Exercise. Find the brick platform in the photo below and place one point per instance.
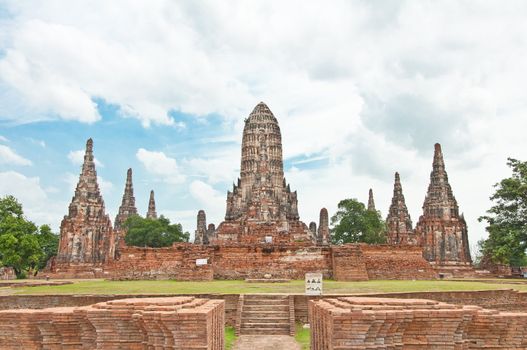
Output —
(382, 323)
(142, 323)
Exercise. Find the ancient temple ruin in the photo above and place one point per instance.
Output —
(261, 206)
(86, 234)
(398, 222)
(151, 213)
(371, 201)
(442, 230)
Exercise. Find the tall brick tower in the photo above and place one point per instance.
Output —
(443, 232)
(262, 204)
(86, 234)
(126, 209)
(398, 221)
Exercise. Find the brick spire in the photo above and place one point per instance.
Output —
(371, 202)
(127, 207)
(200, 236)
(86, 234)
(398, 221)
(151, 213)
(442, 231)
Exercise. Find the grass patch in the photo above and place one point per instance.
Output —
(241, 287)
(303, 336)
(230, 337)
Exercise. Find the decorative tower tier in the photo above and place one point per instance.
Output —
(86, 234)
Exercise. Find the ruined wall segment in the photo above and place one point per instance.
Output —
(443, 232)
(261, 203)
(86, 234)
(398, 221)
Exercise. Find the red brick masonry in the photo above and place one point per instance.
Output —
(138, 323)
(382, 323)
(350, 262)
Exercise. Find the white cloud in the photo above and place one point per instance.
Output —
(210, 200)
(8, 156)
(36, 204)
(160, 165)
(4, 139)
(77, 158)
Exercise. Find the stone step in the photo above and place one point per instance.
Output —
(264, 314)
(263, 325)
(268, 331)
(265, 302)
(277, 308)
(265, 296)
(266, 320)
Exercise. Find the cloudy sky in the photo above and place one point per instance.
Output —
(361, 89)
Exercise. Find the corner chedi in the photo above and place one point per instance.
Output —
(443, 232)
(398, 221)
(151, 213)
(261, 206)
(126, 210)
(371, 202)
(86, 235)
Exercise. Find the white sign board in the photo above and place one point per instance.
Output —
(200, 262)
(268, 239)
(313, 284)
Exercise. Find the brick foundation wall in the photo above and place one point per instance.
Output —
(280, 261)
(349, 262)
(377, 323)
(387, 262)
(138, 323)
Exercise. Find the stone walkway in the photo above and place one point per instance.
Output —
(266, 342)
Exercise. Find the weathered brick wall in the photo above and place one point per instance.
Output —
(13, 302)
(348, 263)
(145, 323)
(377, 323)
(7, 273)
(280, 261)
(175, 262)
(503, 299)
(386, 262)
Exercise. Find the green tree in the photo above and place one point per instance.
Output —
(353, 223)
(49, 244)
(143, 232)
(507, 219)
(19, 246)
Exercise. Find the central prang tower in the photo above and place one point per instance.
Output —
(261, 206)
(262, 193)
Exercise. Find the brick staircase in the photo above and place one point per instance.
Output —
(261, 314)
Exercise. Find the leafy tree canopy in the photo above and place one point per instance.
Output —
(507, 219)
(23, 246)
(143, 232)
(353, 223)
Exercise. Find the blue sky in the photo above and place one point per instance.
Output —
(360, 89)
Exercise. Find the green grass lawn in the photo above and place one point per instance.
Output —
(230, 337)
(303, 336)
(237, 287)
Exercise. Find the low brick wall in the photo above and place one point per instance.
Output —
(504, 300)
(383, 323)
(387, 262)
(350, 262)
(139, 323)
